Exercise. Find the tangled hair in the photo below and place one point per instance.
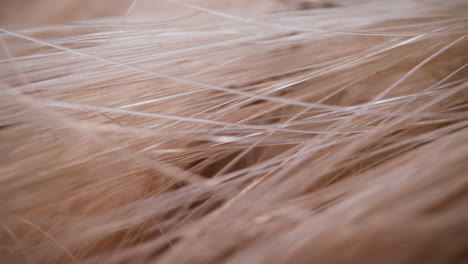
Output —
(234, 132)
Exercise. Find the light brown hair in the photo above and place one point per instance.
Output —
(256, 132)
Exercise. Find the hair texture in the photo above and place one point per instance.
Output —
(234, 132)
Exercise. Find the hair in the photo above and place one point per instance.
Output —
(256, 132)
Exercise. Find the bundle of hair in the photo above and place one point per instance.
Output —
(266, 132)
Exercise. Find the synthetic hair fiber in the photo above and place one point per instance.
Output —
(205, 132)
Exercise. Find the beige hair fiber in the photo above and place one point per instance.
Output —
(198, 132)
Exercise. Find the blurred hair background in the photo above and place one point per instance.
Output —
(233, 131)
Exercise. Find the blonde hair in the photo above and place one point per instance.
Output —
(266, 132)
